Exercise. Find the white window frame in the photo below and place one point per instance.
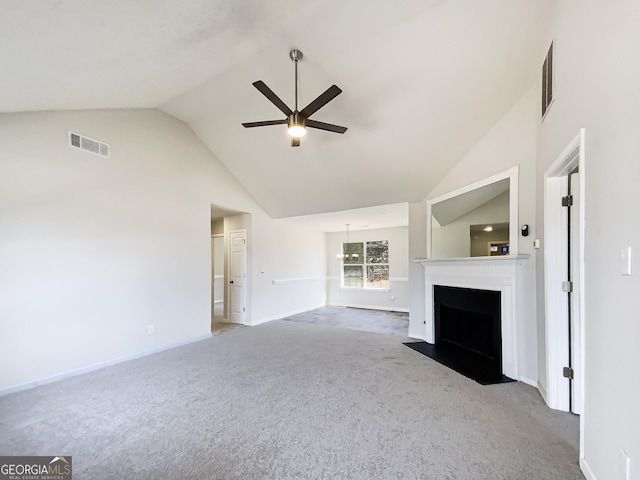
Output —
(364, 266)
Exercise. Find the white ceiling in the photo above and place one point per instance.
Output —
(422, 81)
(367, 218)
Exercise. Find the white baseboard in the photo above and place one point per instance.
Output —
(586, 470)
(371, 307)
(283, 315)
(419, 336)
(543, 393)
(530, 382)
(96, 366)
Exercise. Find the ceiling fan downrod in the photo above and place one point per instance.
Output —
(296, 56)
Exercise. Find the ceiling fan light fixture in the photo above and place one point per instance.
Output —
(297, 131)
(296, 125)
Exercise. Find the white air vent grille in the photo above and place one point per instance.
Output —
(88, 144)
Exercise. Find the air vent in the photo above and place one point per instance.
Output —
(88, 144)
(547, 82)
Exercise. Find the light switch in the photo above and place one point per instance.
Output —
(625, 261)
(536, 243)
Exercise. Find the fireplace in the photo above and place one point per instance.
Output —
(513, 277)
(468, 328)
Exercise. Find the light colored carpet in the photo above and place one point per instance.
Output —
(381, 321)
(289, 400)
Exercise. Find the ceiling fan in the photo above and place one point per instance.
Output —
(297, 121)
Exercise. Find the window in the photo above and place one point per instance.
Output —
(365, 264)
(547, 81)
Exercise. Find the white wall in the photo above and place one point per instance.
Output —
(289, 268)
(93, 250)
(397, 297)
(597, 79)
(511, 142)
(417, 249)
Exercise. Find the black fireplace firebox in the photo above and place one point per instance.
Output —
(468, 328)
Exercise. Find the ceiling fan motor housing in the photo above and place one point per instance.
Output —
(295, 119)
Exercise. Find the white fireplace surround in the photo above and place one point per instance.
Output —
(500, 273)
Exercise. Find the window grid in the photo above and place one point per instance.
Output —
(365, 265)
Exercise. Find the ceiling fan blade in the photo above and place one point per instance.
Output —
(295, 141)
(267, 92)
(326, 126)
(330, 93)
(264, 123)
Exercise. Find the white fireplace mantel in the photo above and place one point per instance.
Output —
(500, 273)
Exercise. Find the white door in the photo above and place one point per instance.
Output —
(237, 276)
(564, 273)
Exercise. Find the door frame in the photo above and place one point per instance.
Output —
(555, 272)
(214, 237)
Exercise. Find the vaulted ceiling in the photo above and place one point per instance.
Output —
(422, 81)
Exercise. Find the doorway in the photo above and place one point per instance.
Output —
(564, 277)
(229, 265)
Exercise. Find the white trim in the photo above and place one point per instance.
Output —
(514, 228)
(399, 279)
(97, 366)
(530, 382)
(391, 279)
(456, 261)
(284, 281)
(368, 289)
(586, 470)
(284, 315)
(371, 307)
